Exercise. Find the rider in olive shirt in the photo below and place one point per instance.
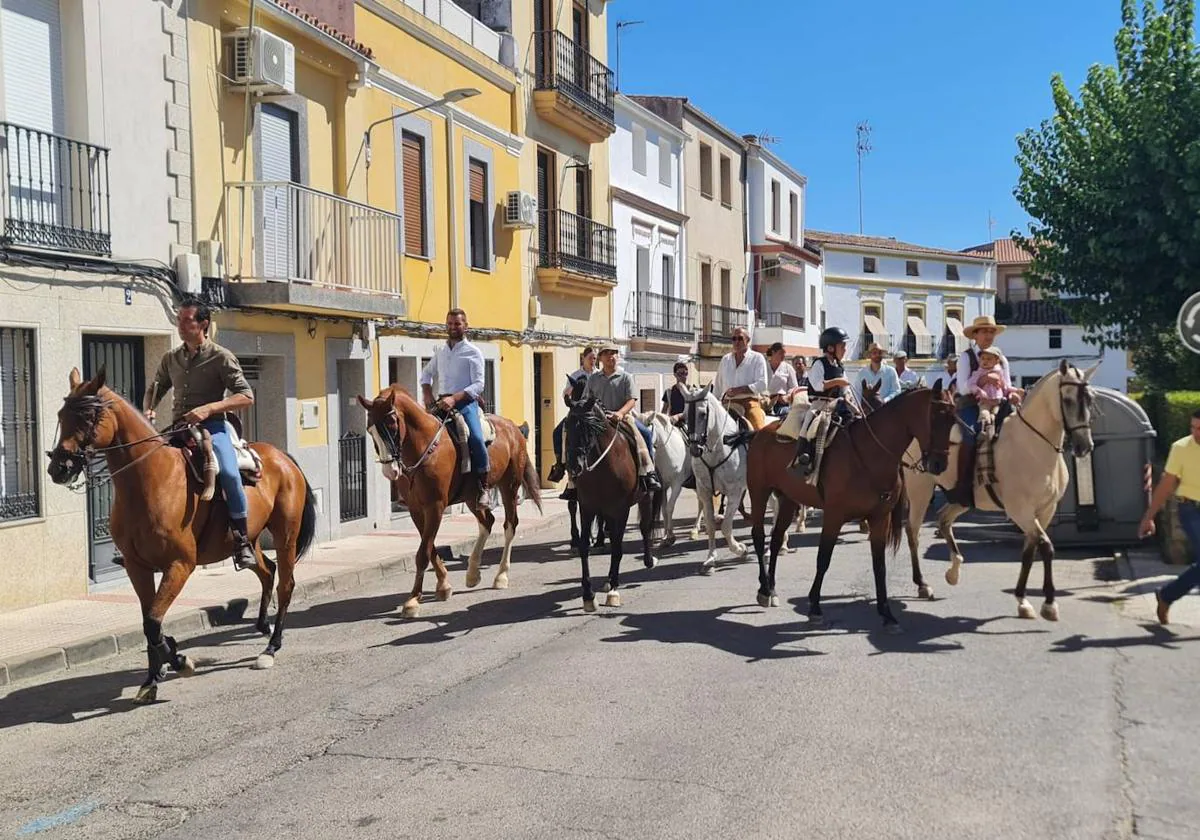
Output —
(613, 390)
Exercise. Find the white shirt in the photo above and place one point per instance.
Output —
(782, 380)
(909, 377)
(752, 372)
(457, 368)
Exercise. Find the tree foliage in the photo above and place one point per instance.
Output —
(1112, 182)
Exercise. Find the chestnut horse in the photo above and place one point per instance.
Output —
(159, 523)
(860, 479)
(604, 464)
(414, 444)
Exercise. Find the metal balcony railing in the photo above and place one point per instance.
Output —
(783, 319)
(718, 322)
(293, 234)
(659, 316)
(576, 243)
(565, 66)
(56, 192)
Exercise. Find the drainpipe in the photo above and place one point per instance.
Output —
(450, 197)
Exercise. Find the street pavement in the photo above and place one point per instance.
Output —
(687, 712)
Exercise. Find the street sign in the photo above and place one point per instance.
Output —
(1189, 323)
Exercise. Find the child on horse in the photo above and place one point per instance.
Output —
(991, 386)
(828, 388)
(613, 390)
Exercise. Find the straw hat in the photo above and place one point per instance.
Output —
(609, 348)
(983, 322)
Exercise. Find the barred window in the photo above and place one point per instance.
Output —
(19, 463)
(489, 386)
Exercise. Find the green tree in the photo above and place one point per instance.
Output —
(1112, 182)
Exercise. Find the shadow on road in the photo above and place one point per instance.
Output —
(715, 629)
(1156, 636)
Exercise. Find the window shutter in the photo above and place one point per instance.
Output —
(478, 180)
(33, 64)
(414, 195)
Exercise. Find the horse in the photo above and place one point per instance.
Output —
(860, 479)
(603, 462)
(673, 463)
(159, 523)
(1031, 478)
(408, 442)
(870, 397)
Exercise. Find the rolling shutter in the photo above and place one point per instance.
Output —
(33, 68)
(414, 193)
(478, 180)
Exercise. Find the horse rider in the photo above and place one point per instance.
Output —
(908, 377)
(673, 404)
(201, 371)
(458, 367)
(781, 384)
(982, 331)
(613, 389)
(876, 372)
(578, 379)
(827, 389)
(742, 380)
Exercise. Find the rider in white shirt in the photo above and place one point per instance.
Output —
(742, 378)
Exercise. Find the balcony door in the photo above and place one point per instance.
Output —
(279, 165)
(547, 204)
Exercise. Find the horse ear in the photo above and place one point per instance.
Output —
(74, 379)
(937, 388)
(364, 402)
(1064, 367)
(1090, 372)
(97, 381)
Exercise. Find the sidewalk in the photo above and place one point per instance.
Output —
(1146, 572)
(66, 634)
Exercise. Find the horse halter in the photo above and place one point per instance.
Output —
(594, 424)
(88, 408)
(1084, 398)
(391, 442)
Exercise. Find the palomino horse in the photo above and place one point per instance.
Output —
(860, 479)
(1031, 477)
(674, 466)
(414, 443)
(604, 464)
(159, 523)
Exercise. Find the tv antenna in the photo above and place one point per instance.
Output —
(991, 226)
(862, 147)
(621, 24)
(765, 139)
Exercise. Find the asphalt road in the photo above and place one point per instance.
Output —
(687, 712)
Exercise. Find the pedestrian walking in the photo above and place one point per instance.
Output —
(1181, 478)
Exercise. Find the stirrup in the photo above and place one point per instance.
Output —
(243, 553)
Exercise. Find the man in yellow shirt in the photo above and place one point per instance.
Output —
(1182, 478)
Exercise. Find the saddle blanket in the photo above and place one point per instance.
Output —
(462, 435)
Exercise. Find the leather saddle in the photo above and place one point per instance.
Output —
(460, 434)
(196, 443)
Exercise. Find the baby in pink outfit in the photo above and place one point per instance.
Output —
(990, 385)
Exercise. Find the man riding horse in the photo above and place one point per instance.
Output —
(200, 371)
(827, 392)
(613, 390)
(742, 379)
(458, 366)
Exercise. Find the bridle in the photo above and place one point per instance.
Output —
(1084, 399)
(699, 446)
(923, 464)
(89, 408)
(595, 423)
(392, 442)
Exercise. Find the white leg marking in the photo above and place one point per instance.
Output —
(476, 553)
(501, 581)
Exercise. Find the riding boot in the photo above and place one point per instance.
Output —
(484, 490)
(651, 482)
(557, 472)
(569, 494)
(964, 484)
(243, 551)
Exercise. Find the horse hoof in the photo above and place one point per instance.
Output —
(764, 600)
(146, 694)
(473, 578)
(893, 629)
(741, 551)
(1050, 611)
(410, 610)
(1025, 609)
(650, 562)
(695, 535)
(187, 668)
(264, 662)
(667, 542)
(444, 594)
(925, 591)
(607, 587)
(707, 567)
(613, 599)
(952, 575)
(589, 606)
(774, 601)
(501, 582)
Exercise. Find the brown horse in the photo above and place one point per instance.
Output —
(604, 464)
(860, 479)
(159, 523)
(413, 444)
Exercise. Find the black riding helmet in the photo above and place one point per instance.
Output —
(831, 336)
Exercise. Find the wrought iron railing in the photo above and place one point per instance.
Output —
(658, 316)
(576, 243)
(718, 322)
(56, 192)
(289, 233)
(783, 319)
(565, 66)
(352, 476)
(20, 464)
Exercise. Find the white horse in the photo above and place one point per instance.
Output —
(673, 463)
(1031, 478)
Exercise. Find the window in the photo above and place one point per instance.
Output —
(812, 304)
(1056, 338)
(951, 271)
(726, 181)
(668, 275)
(794, 216)
(664, 161)
(1029, 381)
(642, 268)
(1016, 289)
(775, 206)
(868, 265)
(477, 220)
(489, 386)
(726, 288)
(952, 343)
(706, 186)
(911, 268)
(917, 339)
(20, 465)
(639, 150)
(414, 196)
(873, 328)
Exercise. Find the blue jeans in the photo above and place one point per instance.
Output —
(1189, 518)
(970, 416)
(227, 471)
(641, 427)
(558, 440)
(469, 409)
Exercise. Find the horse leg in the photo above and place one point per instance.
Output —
(801, 522)
(510, 531)
(758, 514)
(572, 509)
(285, 561)
(733, 545)
(946, 517)
(585, 522)
(1024, 608)
(266, 576)
(427, 525)
(785, 512)
(912, 529)
(668, 514)
(646, 526)
(485, 519)
(162, 650)
(706, 502)
(1046, 549)
(879, 534)
(617, 535)
(830, 528)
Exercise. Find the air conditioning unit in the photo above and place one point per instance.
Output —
(211, 261)
(260, 61)
(520, 210)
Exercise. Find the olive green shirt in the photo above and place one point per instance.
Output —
(612, 392)
(198, 379)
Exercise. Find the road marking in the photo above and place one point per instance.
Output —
(62, 818)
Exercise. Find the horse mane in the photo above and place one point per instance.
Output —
(105, 397)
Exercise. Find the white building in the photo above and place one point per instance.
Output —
(785, 293)
(903, 296)
(653, 317)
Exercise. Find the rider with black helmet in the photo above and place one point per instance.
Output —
(826, 382)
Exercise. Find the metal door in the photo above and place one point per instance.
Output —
(123, 358)
(279, 164)
(352, 476)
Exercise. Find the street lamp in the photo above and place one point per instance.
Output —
(456, 95)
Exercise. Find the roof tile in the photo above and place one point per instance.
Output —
(358, 46)
(882, 243)
(1003, 251)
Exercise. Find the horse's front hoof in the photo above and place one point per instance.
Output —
(649, 561)
(707, 567)
(925, 591)
(694, 536)
(893, 629)
(146, 694)
(952, 572)
(764, 600)
(264, 662)
(589, 606)
(774, 600)
(411, 609)
(501, 581)
(667, 541)
(1025, 609)
(186, 667)
(444, 594)
(613, 599)
(1050, 611)
(473, 578)
(740, 551)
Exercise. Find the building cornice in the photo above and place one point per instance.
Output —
(777, 162)
(646, 205)
(642, 114)
(945, 257)
(883, 285)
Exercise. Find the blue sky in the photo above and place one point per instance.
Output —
(946, 85)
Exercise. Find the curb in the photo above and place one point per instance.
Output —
(196, 620)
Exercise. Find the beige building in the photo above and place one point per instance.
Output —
(714, 164)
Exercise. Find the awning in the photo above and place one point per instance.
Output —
(956, 329)
(878, 333)
(924, 339)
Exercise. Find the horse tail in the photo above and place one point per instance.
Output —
(308, 518)
(896, 522)
(530, 483)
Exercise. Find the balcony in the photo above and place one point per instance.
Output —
(56, 192)
(655, 319)
(717, 325)
(300, 249)
(576, 255)
(572, 90)
(784, 327)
